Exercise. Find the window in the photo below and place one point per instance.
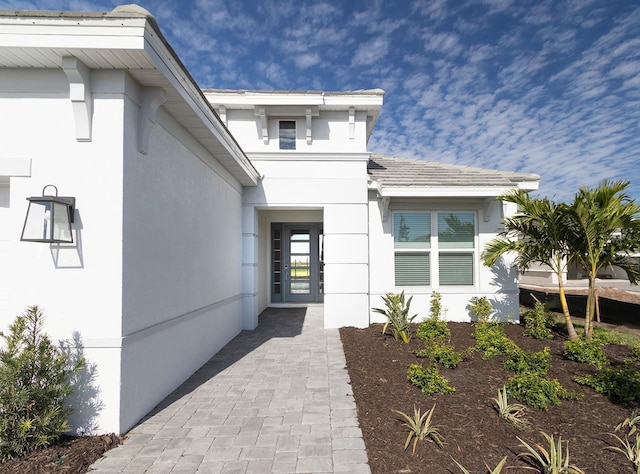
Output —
(442, 240)
(287, 134)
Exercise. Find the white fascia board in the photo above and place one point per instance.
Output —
(11, 167)
(279, 156)
(359, 101)
(189, 92)
(77, 34)
(453, 191)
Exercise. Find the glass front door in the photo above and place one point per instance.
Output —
(297, 263)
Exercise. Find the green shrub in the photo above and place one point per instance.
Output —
(397, 313)
(523, 362)
(34, 383)
(440, 353)
(620, 383)
(436, 311)
(429, 380)
(537, 321)
(635, 353)
(586, 352)
(433, 329)
(491, 339)
(480, 308)
(536, 391)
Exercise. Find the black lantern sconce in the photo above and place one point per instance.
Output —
(49, 218)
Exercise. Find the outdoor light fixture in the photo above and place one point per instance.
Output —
(49, 218)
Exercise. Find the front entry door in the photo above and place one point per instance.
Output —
(300, 263)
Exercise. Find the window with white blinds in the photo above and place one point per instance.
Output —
(444, 241)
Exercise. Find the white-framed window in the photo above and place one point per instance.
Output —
(434, 248)
(287, 134)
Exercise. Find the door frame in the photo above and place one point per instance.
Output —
(280, 280)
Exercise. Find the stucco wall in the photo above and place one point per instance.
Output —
(182, 280)
(329, 132)
(339, 188)
(498, 283)
(77, 285)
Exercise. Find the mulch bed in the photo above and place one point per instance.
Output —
(69, 455)
(472, 431)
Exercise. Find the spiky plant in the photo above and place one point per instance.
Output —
(420, 427)
(495, 470)
(397, 313)
(632, 423)
(552, 460)
(512, 412)
(630, 450)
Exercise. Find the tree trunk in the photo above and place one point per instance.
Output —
(571, 331)
(591, 300)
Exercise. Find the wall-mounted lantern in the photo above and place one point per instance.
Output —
(49, 218)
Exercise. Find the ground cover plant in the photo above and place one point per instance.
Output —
(475, 438)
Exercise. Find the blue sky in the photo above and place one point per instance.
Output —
(548, 87)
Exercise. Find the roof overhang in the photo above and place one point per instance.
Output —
(127, 38)
(449, 191)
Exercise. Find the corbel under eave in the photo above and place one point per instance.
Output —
(385, 208)
(79, 76)
(308, 115)
(152, 99)
(261, 113)
(352, 123)
(488, 205)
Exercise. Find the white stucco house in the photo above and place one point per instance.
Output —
(197, 209)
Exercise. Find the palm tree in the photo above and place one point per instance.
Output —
(595, 215)
(537, 232)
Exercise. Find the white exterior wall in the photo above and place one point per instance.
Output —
(334, 189)
(78, 286)
(497, 283)
(182, 274)
(152, 286)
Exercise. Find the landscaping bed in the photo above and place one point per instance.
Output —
(472, 432)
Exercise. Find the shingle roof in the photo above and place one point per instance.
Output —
(402, 172)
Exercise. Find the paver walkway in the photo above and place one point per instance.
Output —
(276, 399)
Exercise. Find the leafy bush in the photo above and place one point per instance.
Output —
(34, 383)
(433, 329)
(536, 391)
(397, 313)
(440, 353)
(635, 353)
(620, 383)
(428, 380)
(480, 308)
(523, 362)
(491, 339)
(586, 352)
(537, 321)
(436, 311)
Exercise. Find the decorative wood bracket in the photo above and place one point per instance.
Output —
(79, 77)
(385, 208)
(222, 113)
(488, 206)
(263, 124)
(309, 138)
(352, 123)
(152, 99)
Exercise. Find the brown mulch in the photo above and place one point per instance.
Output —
(69, 455)
(472, 431)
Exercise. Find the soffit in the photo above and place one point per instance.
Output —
(132, 43)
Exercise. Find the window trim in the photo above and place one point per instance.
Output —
(433, 248)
